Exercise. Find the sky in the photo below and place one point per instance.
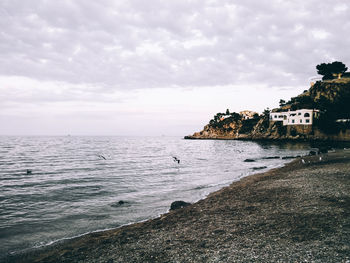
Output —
(157, 67)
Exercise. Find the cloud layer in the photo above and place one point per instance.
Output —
(157, 66)
(135, 44)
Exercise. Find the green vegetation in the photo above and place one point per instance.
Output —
(331, 70)
(220, 118)
(333, 101)
(248, 125)
(266, 112)
(281, 129)
(331, 98)
(282, 103)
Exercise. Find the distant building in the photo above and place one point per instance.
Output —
(298, 117)
(277, 116)
(313, 80)
(224, 117)
(343, 120)
(248, 114)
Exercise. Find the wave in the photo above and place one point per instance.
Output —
(70, 184)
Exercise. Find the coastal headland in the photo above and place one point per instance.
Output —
(297, 213)
(320, 113)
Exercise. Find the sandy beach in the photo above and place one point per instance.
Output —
(297, 213)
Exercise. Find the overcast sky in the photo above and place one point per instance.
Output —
(154, 67)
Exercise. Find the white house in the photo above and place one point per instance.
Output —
(298, 117)
(248, 114)
(224, 117)
(277, 116)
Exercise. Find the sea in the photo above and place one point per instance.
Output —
(56, 188)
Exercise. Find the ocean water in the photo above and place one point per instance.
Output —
(76, 183)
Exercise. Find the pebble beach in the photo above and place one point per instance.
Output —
(297, 213)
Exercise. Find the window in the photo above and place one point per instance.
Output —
(275, 116)
(301, 121)
(307, 121)
(299, 113)
(293, 121)
(307, 114)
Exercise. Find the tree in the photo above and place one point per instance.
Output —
(322, 69)
(338, 68)
(266, 112)
(236, 116)
(282, 102)
(227, 112)
(305, 101)
(328, 70)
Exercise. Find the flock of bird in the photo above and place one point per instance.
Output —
(177, 160)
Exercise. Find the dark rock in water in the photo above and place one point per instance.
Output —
(259, 168)
(324, 150)
(249, 160)
(271, 157)
(288, 157)
(189, 137)
(314, 151)
(29, 171)
(178, 204)
(119, 203)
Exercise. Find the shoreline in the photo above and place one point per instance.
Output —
(318, 140)
(222, 222)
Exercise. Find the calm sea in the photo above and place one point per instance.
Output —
(76, 183)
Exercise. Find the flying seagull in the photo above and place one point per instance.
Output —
(102, 157)
(176, 160)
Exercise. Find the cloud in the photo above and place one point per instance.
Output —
(152, 44)
(80, 66)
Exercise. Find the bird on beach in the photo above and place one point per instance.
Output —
(303, 161)
(176, 160)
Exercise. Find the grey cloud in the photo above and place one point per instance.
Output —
(145, 44)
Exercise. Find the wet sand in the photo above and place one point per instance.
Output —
(297, 213)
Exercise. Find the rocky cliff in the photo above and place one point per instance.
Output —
(332, 98)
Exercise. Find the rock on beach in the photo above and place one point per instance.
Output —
(178, 204)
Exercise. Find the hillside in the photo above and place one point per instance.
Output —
(331, 97)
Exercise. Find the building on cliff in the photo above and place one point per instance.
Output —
(297, 117)
(314, 79)
(224, 117)
(248, 114)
